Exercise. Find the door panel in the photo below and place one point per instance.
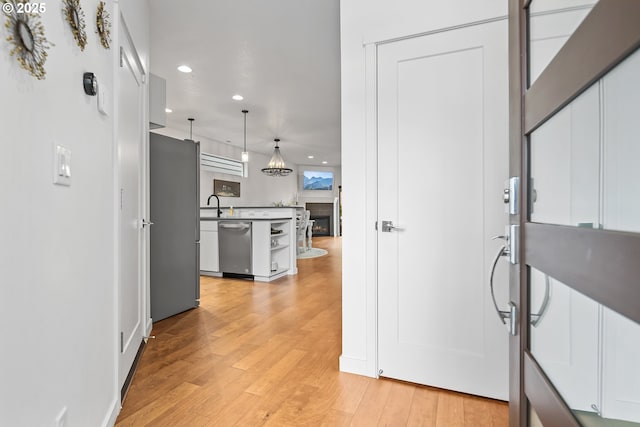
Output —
(566, 154)
(129, 158)
(621, 346)
(575, 142)
(442, 161)
(565, 164)
(551, 6)
(621, 103)
(565, 340)
(551, 24)
(621, 368)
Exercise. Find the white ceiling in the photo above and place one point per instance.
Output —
(283, 56)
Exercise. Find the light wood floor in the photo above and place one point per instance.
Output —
(266, 354)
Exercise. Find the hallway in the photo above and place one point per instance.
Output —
(266, 354)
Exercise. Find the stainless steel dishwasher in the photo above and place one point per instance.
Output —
(234, 240)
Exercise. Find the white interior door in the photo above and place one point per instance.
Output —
(129, 158)
(443, 161)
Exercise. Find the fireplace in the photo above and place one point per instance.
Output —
(322, 225)
(322, 214)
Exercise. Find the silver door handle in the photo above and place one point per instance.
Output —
(536, 318)
(388, 227)
(240, 226)
(502, 314)
(145, 222)
(512, 313)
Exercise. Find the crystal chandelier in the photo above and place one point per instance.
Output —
(276, 166)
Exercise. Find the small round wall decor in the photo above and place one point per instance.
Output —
(26, 36)
(103, 26)
(74, 15)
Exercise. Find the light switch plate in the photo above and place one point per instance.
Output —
(61, 165)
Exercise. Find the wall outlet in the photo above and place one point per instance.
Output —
(61, 419)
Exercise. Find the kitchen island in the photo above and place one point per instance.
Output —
(272, 249)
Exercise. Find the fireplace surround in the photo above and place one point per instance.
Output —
(322, 214)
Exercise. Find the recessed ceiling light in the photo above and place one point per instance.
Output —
(168, 110)
(309, 157)
(185, 69)
(324, 162)
(238, 97)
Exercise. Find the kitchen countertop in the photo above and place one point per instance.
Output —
(243, 219)
(253, 207)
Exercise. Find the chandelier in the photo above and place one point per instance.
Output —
(276, 166)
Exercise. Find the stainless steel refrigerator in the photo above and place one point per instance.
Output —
(174, 169)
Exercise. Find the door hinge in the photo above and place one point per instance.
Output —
(121, 342)
(121, 198)
(376, 225)
(121, 57)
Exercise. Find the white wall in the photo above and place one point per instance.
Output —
(257, 189)
(57, 296)
(364, 23)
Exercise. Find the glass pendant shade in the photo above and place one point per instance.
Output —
(276, 166)
(245, 153)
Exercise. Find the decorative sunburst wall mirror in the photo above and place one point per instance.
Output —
(74, 15)
(26, 36)
(103, 26)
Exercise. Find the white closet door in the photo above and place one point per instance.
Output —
(443, 160)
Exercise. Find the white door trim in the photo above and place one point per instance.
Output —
(144, 193)
(367, 363)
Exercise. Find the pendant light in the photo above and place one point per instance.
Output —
(245, 153)
(191, 119)
(276, 166)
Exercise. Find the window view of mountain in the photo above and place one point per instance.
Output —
(318, 181)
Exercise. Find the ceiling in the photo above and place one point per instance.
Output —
(282, 56)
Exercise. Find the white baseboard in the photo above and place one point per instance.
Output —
(112, 413)
(356, 366)
(148, 327)
(210, 273)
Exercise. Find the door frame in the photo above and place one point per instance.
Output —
(585, 251)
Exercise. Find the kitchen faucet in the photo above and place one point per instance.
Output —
(218, 199)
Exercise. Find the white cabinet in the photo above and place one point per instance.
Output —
(271, 249)
(209, 256)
